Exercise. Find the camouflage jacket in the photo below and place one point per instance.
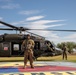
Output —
(28, 44)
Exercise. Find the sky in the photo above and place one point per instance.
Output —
(41, 14)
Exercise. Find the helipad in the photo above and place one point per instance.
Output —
(41, 68)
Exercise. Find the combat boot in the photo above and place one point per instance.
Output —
(32, 66)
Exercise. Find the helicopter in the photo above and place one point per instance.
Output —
(11, 44)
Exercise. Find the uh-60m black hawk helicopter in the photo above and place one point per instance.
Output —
(10, 44)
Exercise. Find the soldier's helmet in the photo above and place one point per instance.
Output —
(28, 34)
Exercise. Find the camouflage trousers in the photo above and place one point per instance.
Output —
(28, 55)
(64, 55)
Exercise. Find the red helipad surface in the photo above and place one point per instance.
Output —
(46, 68)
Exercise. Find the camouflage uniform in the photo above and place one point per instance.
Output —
(64, 52)
(28, 51)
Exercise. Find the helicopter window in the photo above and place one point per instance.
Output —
(37, 45)
(16, 47)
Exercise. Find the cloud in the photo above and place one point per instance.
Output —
(72, 36)
(56, 25)
(1, 18)
(10, 6)
(34, 18)
(29, 12)
(68, 38)
(42, 26)
(42, 22)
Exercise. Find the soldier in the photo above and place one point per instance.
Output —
(28, 45)
(64, 51)
(49, 47)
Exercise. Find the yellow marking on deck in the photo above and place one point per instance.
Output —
(42, 73)
(18, 64)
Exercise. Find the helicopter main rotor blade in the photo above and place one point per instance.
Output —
(54, 30)
(14, 27)
(6, 29)
(9, 25)
(24, 29)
